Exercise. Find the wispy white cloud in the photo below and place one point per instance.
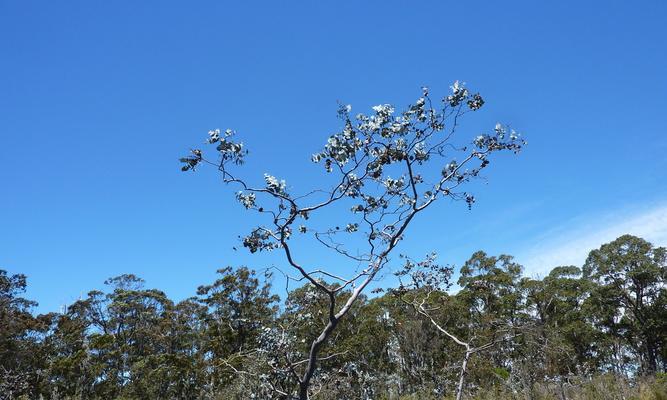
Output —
(570, 244)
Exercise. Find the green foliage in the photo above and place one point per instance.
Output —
(629, 297)
(580, 334)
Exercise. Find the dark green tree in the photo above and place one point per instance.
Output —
(237, 307)
(629, 297)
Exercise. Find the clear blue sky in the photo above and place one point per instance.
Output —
(99, 99)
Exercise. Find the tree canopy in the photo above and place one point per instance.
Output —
(525, 336)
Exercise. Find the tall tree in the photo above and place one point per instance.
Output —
(237, 307)
(564, 341)
(630, 274)
(21, 339)
(386, 169)
(489, 301)
(70, 371)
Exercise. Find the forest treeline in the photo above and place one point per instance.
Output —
(598, 331)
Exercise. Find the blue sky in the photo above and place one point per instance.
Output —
(99, 99)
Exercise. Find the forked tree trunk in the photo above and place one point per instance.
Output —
(334, 319)
(304, 384)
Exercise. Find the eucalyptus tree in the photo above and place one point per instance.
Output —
(384, 168)
(568, 341)
(117, 342)
(186, 360)
(630, 274)
(563, 342)
(70, 373)
(20, 338)
(488, 299)
(237, 306)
